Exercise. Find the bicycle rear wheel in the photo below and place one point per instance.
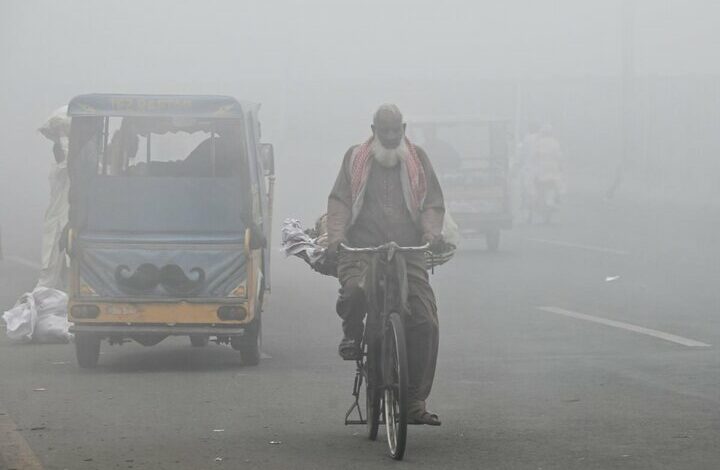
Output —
(395, 378)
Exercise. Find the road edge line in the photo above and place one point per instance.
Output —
(691, 343)
(578, 246)
(15, 452)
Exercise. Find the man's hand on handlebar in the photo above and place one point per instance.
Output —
(436, 242)
(332, 250)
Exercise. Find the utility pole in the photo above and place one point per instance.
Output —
(627, 92)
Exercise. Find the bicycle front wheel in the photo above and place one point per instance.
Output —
(395, 378)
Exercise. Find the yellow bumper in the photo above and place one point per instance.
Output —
(138, 313)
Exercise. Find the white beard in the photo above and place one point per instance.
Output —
(389, 157)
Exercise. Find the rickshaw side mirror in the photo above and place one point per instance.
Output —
(267, 157)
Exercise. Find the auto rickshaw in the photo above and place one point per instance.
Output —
(161, 241)
(471, 158)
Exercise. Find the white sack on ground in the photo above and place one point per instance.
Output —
(21, 319)
(39, 316)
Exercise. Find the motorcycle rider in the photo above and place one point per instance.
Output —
(546, 172)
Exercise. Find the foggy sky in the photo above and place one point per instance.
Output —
(269, 51)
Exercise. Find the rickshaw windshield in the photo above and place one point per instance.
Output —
(150, 175)
(458, 147)
(163, 146)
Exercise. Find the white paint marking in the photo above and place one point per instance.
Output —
(23, 262)
(691, 343)
(14, 449)
(599, 249)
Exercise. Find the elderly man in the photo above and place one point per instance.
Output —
(387, 191)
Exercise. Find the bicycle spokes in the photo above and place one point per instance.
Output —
(395, 376)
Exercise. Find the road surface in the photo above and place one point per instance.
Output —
(592, 343)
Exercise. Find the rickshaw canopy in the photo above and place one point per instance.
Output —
(191, 106)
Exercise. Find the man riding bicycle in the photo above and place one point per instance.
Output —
(387, 191)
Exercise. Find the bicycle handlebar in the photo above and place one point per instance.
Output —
(386, 247)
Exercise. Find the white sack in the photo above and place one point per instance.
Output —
(21, 319)
(39, 316)
(450, 230)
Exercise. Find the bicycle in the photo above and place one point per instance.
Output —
(382, 365)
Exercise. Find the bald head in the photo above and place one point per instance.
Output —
(388, 125)
(387, 113)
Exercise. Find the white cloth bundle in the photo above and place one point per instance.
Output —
(39, 316)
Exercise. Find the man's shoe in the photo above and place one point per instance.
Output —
(349, 349)
(418, 414)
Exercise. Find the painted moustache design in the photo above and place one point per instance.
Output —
(175, 281)
(147, 277)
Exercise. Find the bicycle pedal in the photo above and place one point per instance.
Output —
(350, 355)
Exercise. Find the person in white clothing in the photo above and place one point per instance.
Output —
(53, 271)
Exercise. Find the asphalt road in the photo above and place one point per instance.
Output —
(542, 365)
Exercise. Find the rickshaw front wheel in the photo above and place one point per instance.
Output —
(87, 350)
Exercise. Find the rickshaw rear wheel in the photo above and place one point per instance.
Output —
(199, 341)
(249, 344)
(87, 350)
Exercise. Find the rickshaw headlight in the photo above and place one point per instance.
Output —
(231, 312)
(85, 311)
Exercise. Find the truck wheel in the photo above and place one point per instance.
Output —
(248, 345)
(199, 341)
(492, 239)
(87, 350)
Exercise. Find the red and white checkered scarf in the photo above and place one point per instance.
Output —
(360, 169)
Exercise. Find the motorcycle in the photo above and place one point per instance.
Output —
(546, 200)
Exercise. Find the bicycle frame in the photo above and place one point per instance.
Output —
(383, 300)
